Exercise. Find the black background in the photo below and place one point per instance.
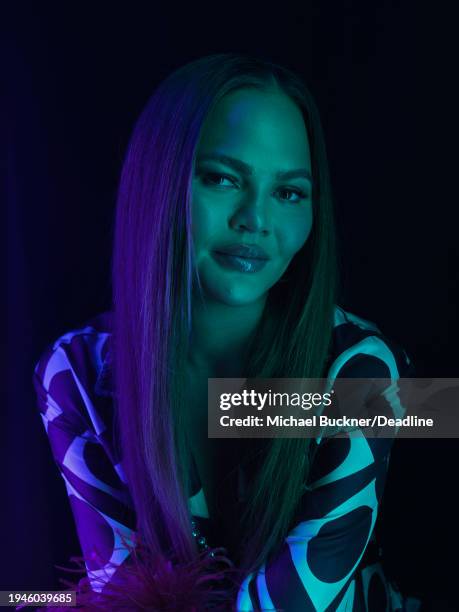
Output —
(382, 74)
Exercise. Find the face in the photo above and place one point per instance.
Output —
(243, 197)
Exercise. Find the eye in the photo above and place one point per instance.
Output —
(300, 195)
(214, 178)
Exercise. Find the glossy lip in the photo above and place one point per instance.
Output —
(248, 251)
(241, 264)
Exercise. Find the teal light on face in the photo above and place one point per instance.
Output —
(252, 186)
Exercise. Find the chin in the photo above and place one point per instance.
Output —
(236, 298)
(232, 294)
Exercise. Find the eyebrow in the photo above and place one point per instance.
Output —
(247, 170)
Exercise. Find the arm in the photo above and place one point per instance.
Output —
(336, 518)
(316, 565)
(99, 504)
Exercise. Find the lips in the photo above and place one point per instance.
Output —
(249, 251)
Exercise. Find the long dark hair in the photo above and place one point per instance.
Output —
(152, 275)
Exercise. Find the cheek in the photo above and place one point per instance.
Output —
(205, 222)
(293, 235)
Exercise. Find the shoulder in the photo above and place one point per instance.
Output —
(82, 347)
(361, 349)
(70, 370)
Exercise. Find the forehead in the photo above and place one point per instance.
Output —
(263, 125)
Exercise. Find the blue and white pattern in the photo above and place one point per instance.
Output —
(329, 559)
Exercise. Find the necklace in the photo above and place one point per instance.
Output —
(200, 539)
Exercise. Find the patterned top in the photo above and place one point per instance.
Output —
(329, 559)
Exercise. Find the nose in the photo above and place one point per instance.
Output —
(252, 215)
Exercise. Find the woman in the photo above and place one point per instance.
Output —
(224, 265)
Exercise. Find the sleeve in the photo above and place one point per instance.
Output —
(316, 565)
(98, 501)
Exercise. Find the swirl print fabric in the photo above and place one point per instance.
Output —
(330, 559)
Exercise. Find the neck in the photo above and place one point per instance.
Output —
(221, 336)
